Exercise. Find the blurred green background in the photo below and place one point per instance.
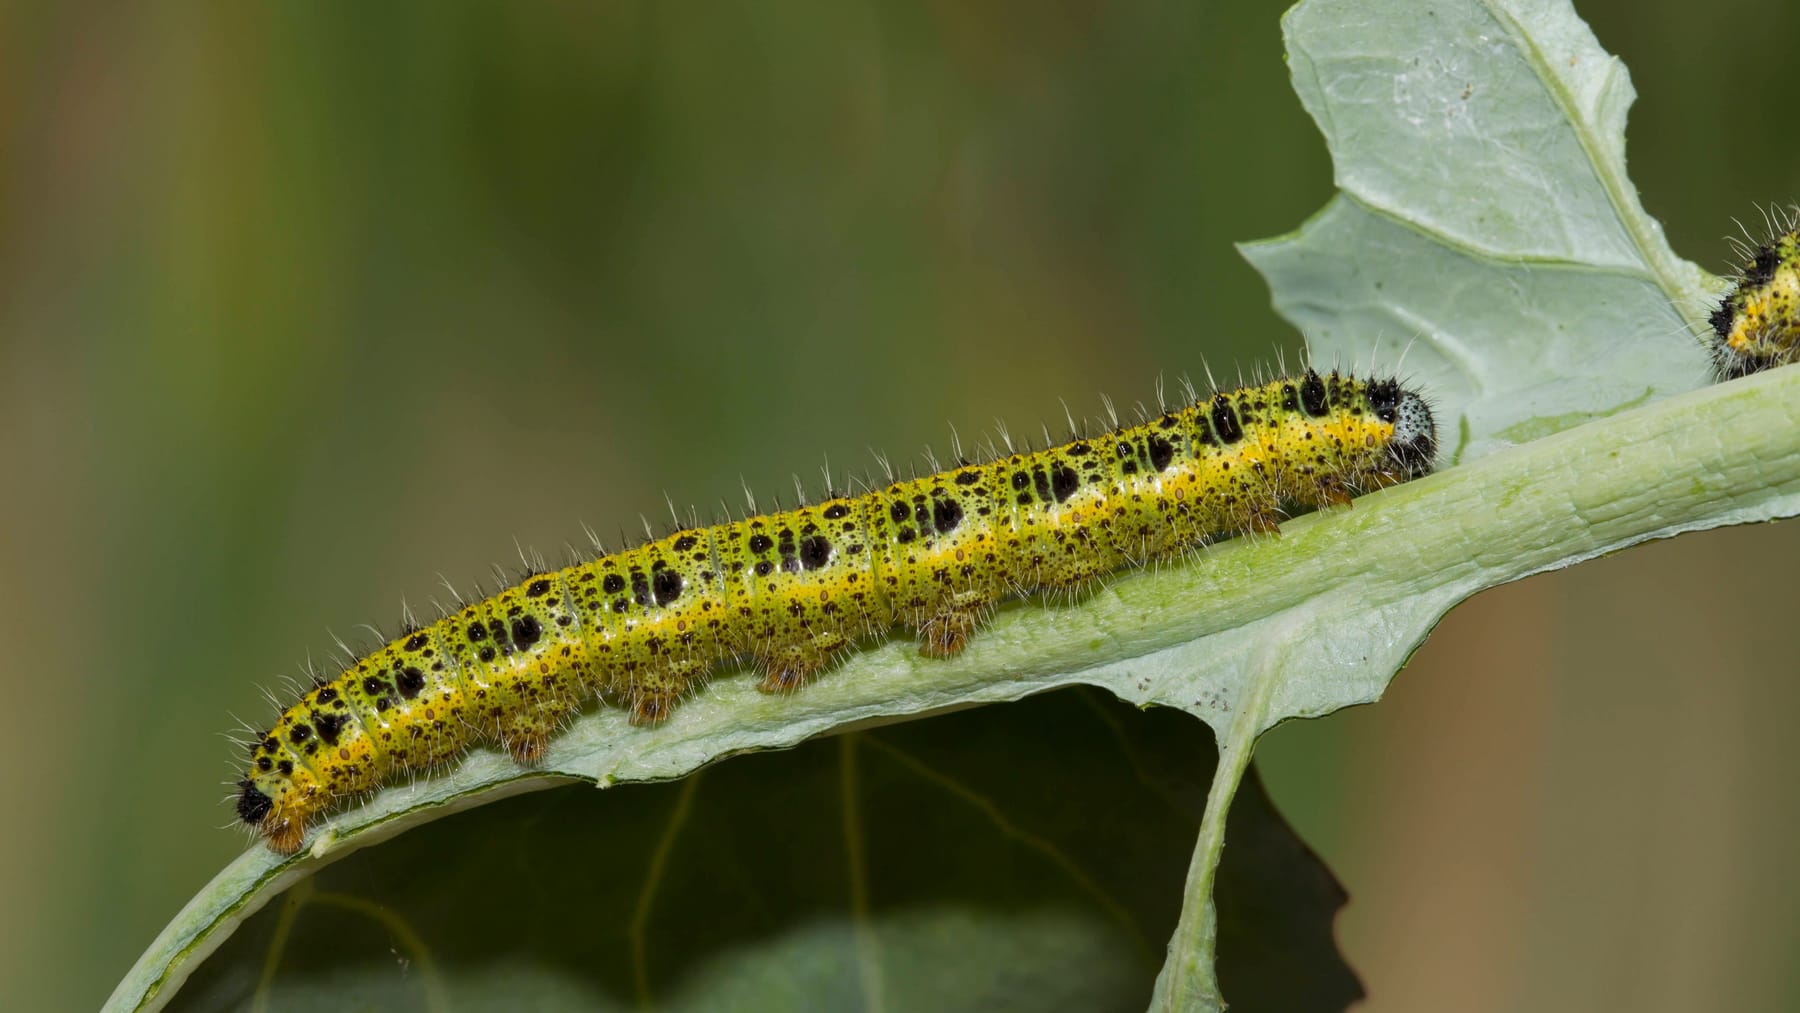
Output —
(302, 305)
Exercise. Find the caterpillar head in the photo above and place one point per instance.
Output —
(1413, 448)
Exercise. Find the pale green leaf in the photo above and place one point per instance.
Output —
(1485, 222)
(1007, 858)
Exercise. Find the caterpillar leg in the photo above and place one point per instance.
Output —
(947, 633)
(789, 667)
(284, 826)
(285, 835)
(653, 707)
(1331, 493)
(527, 747)
(788, 674)
(527, 732)
(653, 694)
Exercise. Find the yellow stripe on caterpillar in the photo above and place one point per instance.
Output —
(790, 591)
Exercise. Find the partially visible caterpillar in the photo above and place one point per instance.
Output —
(1757, 324)
(790, 591)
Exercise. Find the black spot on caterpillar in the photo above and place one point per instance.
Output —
(785, 592)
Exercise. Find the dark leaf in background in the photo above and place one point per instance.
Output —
(1028, 856)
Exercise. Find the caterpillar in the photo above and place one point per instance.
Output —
(791, 591)
(1757, 324)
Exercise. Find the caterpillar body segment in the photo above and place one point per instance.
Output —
(792, 591)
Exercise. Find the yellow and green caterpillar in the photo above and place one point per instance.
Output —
(1757, 325)
(790, 591)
